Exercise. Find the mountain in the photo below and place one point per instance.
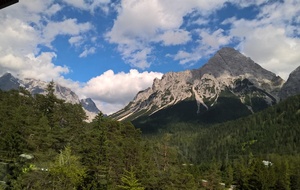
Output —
(89, 105)
(228, 86)
(292, 85)
(9, 82)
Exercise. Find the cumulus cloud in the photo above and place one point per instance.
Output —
(112, 91)
(31, 66)
(65, 27)
(176, 37)
(157, 22)
(53, 9)
(25, 27)
(214, 39)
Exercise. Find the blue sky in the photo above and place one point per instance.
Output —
(109, 50)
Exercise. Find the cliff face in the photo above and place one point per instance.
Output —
(227, 73)
(292, 85)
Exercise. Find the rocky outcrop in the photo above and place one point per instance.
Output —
(292, 85)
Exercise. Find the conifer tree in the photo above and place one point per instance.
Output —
(130, 182)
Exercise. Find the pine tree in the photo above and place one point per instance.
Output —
(67, 172)
(130, 182)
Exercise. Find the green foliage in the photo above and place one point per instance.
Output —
(130, 182)
(107, 154)
(66, 172)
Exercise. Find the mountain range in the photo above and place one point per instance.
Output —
(230, 85)
(9, 82)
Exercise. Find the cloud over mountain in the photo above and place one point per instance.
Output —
(113, 90)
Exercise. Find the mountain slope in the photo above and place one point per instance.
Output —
(274, 130)
(9, 82)
(292, 85)
(228, 86)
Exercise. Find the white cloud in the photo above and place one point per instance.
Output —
(77, 3)
(243, 3)
(200, 21)
(66, 27)
(76, 40)
(157, 21)
(185, 57)
(176, 37)
(215, 39)
(136, 57)
(17, 37)
(209, 42)
(112, 91)
(53, 9)
(27, 25)
(31, 66)
(87, 52)
(89, 5)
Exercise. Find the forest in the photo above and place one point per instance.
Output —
(46, 143)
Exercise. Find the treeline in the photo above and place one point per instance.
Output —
(275, 130)
(272, 135)
(46, 144)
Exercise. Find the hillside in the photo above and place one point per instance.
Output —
(274, 130)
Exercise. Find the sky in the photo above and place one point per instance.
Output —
(109, 50)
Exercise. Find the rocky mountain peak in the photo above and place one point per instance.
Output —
(229, 62)
(89, 105)
(292, 85)
(227, 72)
(8, 81)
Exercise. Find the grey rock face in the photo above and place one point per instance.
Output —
(221, 73)
(292, 85)
(38, 87)
(89, 105)
(229, 61)
(9, 82)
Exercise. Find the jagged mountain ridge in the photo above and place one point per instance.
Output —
(89, 105)
(9, 82)
(228, 74)
(292, 85)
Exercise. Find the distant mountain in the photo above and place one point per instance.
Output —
(9, 82)
(230, 85)
(292, 85)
